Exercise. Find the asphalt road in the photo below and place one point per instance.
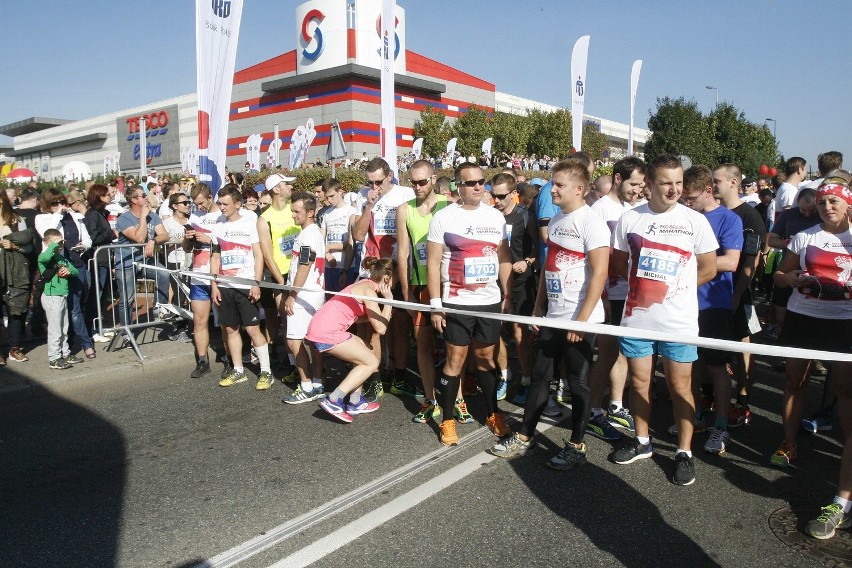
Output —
(169, 471)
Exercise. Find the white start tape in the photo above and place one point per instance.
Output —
(558, 323)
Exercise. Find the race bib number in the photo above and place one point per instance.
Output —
(334, 238)
(285, 244)
(385, 226)
(553, 284)
(233, 261)
(659, 265)
(420, 251)
(480, 269)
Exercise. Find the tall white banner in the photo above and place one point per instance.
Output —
(253, 143)
(451, 148)
(634, 86)
(143, 148)
(217, 32)
(388, 131)
(417, 148)
(579, 58)
(310, 134)
(486, 146)
(107, 165)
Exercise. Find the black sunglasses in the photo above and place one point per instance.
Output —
(182, 202)
(499, 197)
(473, 182)
(421, 182)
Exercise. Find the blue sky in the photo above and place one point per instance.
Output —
(787, 60)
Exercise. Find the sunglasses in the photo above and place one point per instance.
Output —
(182, 202)
(56, 203)
(499, 197)
(421, 182)
(377, 183)
(473, 182)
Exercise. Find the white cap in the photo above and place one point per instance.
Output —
(275, 179)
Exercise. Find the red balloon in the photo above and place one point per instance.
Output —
(773, 172)
(764, 169)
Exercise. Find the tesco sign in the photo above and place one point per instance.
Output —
(162, 137)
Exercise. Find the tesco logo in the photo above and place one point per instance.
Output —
(312, 16)
(156, 123)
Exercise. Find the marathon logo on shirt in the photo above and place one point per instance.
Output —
(566, 233)
(481, 231)
(669, 229)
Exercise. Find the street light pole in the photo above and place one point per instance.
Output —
(712, 88)
(774, 125)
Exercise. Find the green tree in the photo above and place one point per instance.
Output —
(511, 133)
(434, 130)
(678, 127)
(472, 128)
(550, 133)
(741, 142)
(594, 141)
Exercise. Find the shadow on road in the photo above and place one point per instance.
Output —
(62, 482)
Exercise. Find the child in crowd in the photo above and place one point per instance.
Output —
(55, 270)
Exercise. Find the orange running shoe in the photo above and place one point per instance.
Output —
(497, 425)
(448, 433)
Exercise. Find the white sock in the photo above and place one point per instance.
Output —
(687, 452)
(262, 353)
(307, 386)
(239, 369)
(317, 383)
(644, 439)
(615, 405)
(525, 381)
(504, 374)
(845, 503)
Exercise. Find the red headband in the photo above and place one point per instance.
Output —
(836, 189)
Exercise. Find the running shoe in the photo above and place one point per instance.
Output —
(17, 354)
(600, 427)
(621, 418)
(497, 425)
(502, 385)
(699, 423)
(60, 364)
(404, 387)
(363, 406)
(632, 451)
(819, 423)
(291, 378)
(784, 456)
(336, 409)
(232, 378)
(373, 391)
(831, 518)
(469, 386)
(201, 369)
(226, 369)
(429, 410)
(71, 360)
(299, 396)
(513, 446)
(553, 409)
(718, 441)
(460, 412)
(684, 473)
(521, 396)
(264, 381)
(448, 433)
(568, 457)
(738, 416)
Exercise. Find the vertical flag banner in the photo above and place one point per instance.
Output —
(634, 86)
(143, 147)
(310, 134)
(451, 148)
(579, 58)
(217, 31)
(486, 147)
(277, 139)
(107, 165)
(388, 131)
(417, 148)
(297, 145)
(253, 143)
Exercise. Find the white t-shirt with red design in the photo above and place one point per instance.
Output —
(235, 240)
(827, 258)
(469, 266)
(566, 269)
(663, 271)
(314, 286)
(202, 223)
(611, 212)
(381, 234)
(335, 223)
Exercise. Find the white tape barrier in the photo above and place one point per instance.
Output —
(565, 324)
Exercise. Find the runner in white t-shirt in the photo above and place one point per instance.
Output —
(468, 267)
(666, 251)
(572, 282)
(610, 368)
(307, 272)
(236, 253)
(338, 240)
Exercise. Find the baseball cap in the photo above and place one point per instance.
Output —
(275, 179)
(538, 181)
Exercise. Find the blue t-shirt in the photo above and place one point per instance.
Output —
(124, 255)
(545, 209)
(728, 228)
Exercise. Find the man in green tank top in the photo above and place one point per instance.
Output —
(412, 221)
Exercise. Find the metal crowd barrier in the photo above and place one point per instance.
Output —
(139, 297)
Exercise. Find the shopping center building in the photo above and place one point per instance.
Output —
(332, 75)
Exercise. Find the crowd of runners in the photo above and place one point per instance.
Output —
(651, 247)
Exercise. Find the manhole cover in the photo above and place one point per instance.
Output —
(837, 551)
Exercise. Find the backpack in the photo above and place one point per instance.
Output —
(45, 277)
